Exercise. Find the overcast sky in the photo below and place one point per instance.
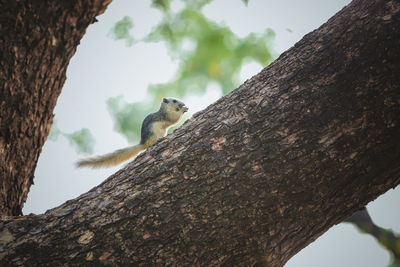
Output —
(104, 68)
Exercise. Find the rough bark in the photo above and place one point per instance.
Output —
(37, 40)
(256, 176)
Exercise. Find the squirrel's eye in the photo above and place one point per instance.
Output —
(174, 100)
(177, 109)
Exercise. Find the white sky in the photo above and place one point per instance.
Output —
(104, 68)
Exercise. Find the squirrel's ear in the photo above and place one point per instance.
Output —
(165, 100)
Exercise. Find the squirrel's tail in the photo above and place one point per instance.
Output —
(112, 159)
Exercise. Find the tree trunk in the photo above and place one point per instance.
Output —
(37, 40)
(256, 176)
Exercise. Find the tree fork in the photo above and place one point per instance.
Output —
(256, 176)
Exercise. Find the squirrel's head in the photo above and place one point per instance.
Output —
(173, 107)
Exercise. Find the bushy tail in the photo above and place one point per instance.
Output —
(112, 159)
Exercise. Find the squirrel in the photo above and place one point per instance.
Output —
(154, 126)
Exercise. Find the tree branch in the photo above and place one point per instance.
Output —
(256, 176)
(387, 238)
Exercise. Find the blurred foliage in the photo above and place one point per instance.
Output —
(121, 29)
(81, 140)
(246, 2)
(207, 53)
(215, 53)
(386, 238)
(128, 117)
(161, 4)
(394, 262)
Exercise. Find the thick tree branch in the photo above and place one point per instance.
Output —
(38, 38)
(256, 176)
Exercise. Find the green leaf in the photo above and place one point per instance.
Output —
(161, 4)
(246, 2)
(82, 140)
(121, 31)
(215, 56)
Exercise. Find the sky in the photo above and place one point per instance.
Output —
(104, 68)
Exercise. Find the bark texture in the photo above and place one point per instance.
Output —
(37, 40)
(256, 176)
